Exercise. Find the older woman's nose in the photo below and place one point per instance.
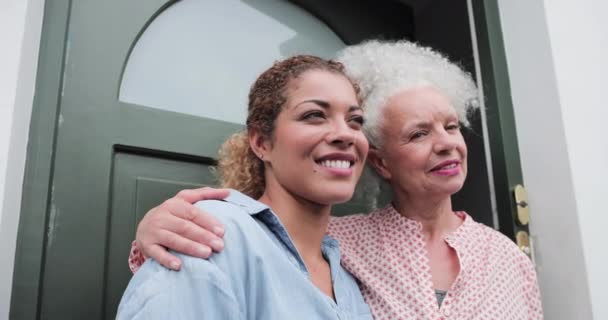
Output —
(444, 142)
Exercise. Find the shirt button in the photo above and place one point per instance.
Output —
(446, 312)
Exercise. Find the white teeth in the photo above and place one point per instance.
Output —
(340, 164)
(450, 166)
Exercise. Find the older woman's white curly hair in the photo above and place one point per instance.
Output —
(383, 69)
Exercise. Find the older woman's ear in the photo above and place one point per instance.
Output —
(378, 163)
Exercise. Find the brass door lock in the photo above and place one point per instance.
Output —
(523, 209)
(523, 242)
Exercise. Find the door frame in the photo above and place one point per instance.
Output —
(36, 198)
(500, 117)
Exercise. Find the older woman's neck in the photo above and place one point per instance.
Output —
(306, 222)
(435, 215)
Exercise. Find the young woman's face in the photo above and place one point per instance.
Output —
(423, 152)
(317, 150)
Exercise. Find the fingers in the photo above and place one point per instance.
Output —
(206, 193)
(188, 212)
(186, 245)
(181, 226)
(190, 231)
(163, 257)
(208, 222)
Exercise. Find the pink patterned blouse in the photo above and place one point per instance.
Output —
(386, 253)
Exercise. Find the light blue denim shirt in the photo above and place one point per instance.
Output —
(259, 275)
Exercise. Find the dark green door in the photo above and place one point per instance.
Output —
(97, 161)
(112, 160)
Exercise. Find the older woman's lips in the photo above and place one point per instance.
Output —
(447, 168)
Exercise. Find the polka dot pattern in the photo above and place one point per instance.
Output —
(386, 253)
(136, 257)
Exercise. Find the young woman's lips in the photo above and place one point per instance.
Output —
(340, 165)
(447, 168)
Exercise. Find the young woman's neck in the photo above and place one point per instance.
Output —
(306, 222)
(434, 213)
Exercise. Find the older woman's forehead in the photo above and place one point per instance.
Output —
(419, 102)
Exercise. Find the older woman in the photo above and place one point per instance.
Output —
(415, 258)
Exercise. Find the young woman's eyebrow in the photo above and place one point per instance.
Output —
(325, 105)
(321, 103)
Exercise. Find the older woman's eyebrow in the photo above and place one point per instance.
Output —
(417, 125)
(354, 108)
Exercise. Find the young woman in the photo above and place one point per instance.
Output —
(416, 258)
(303, 151)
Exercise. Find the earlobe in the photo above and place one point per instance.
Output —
(259, 145)
(378, 162)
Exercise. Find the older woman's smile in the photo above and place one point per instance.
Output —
(447, 168)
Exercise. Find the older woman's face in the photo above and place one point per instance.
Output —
(423, 152)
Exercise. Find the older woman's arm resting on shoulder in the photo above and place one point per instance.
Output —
(179, 225)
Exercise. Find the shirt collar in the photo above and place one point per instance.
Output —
(393, 218)
(264, 214)
(458, 239)
(247, 203)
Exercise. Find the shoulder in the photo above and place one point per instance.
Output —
(500, 248)
(345, 224)
(357, 222)
(348, 228)
(235, 212)
(156, 292)
(356, 233)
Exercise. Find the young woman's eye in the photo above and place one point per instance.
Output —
(313, 115)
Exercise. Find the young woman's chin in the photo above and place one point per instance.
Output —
(331, 196)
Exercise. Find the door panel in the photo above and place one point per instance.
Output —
(139, 182)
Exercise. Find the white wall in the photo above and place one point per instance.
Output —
(20, 26)
(556, 52)
(579, 39)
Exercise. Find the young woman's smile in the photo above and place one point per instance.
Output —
(318, 146)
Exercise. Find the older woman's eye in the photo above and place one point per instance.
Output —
(453, 127)
(357, 121)
(418, 135)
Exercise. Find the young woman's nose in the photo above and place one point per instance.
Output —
(341, 134)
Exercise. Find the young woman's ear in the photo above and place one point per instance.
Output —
(260, 145)
(378, 163)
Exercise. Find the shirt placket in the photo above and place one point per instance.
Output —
(447, 309)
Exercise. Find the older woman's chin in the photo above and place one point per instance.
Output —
(453, 189)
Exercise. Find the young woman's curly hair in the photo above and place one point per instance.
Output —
(238, 167)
